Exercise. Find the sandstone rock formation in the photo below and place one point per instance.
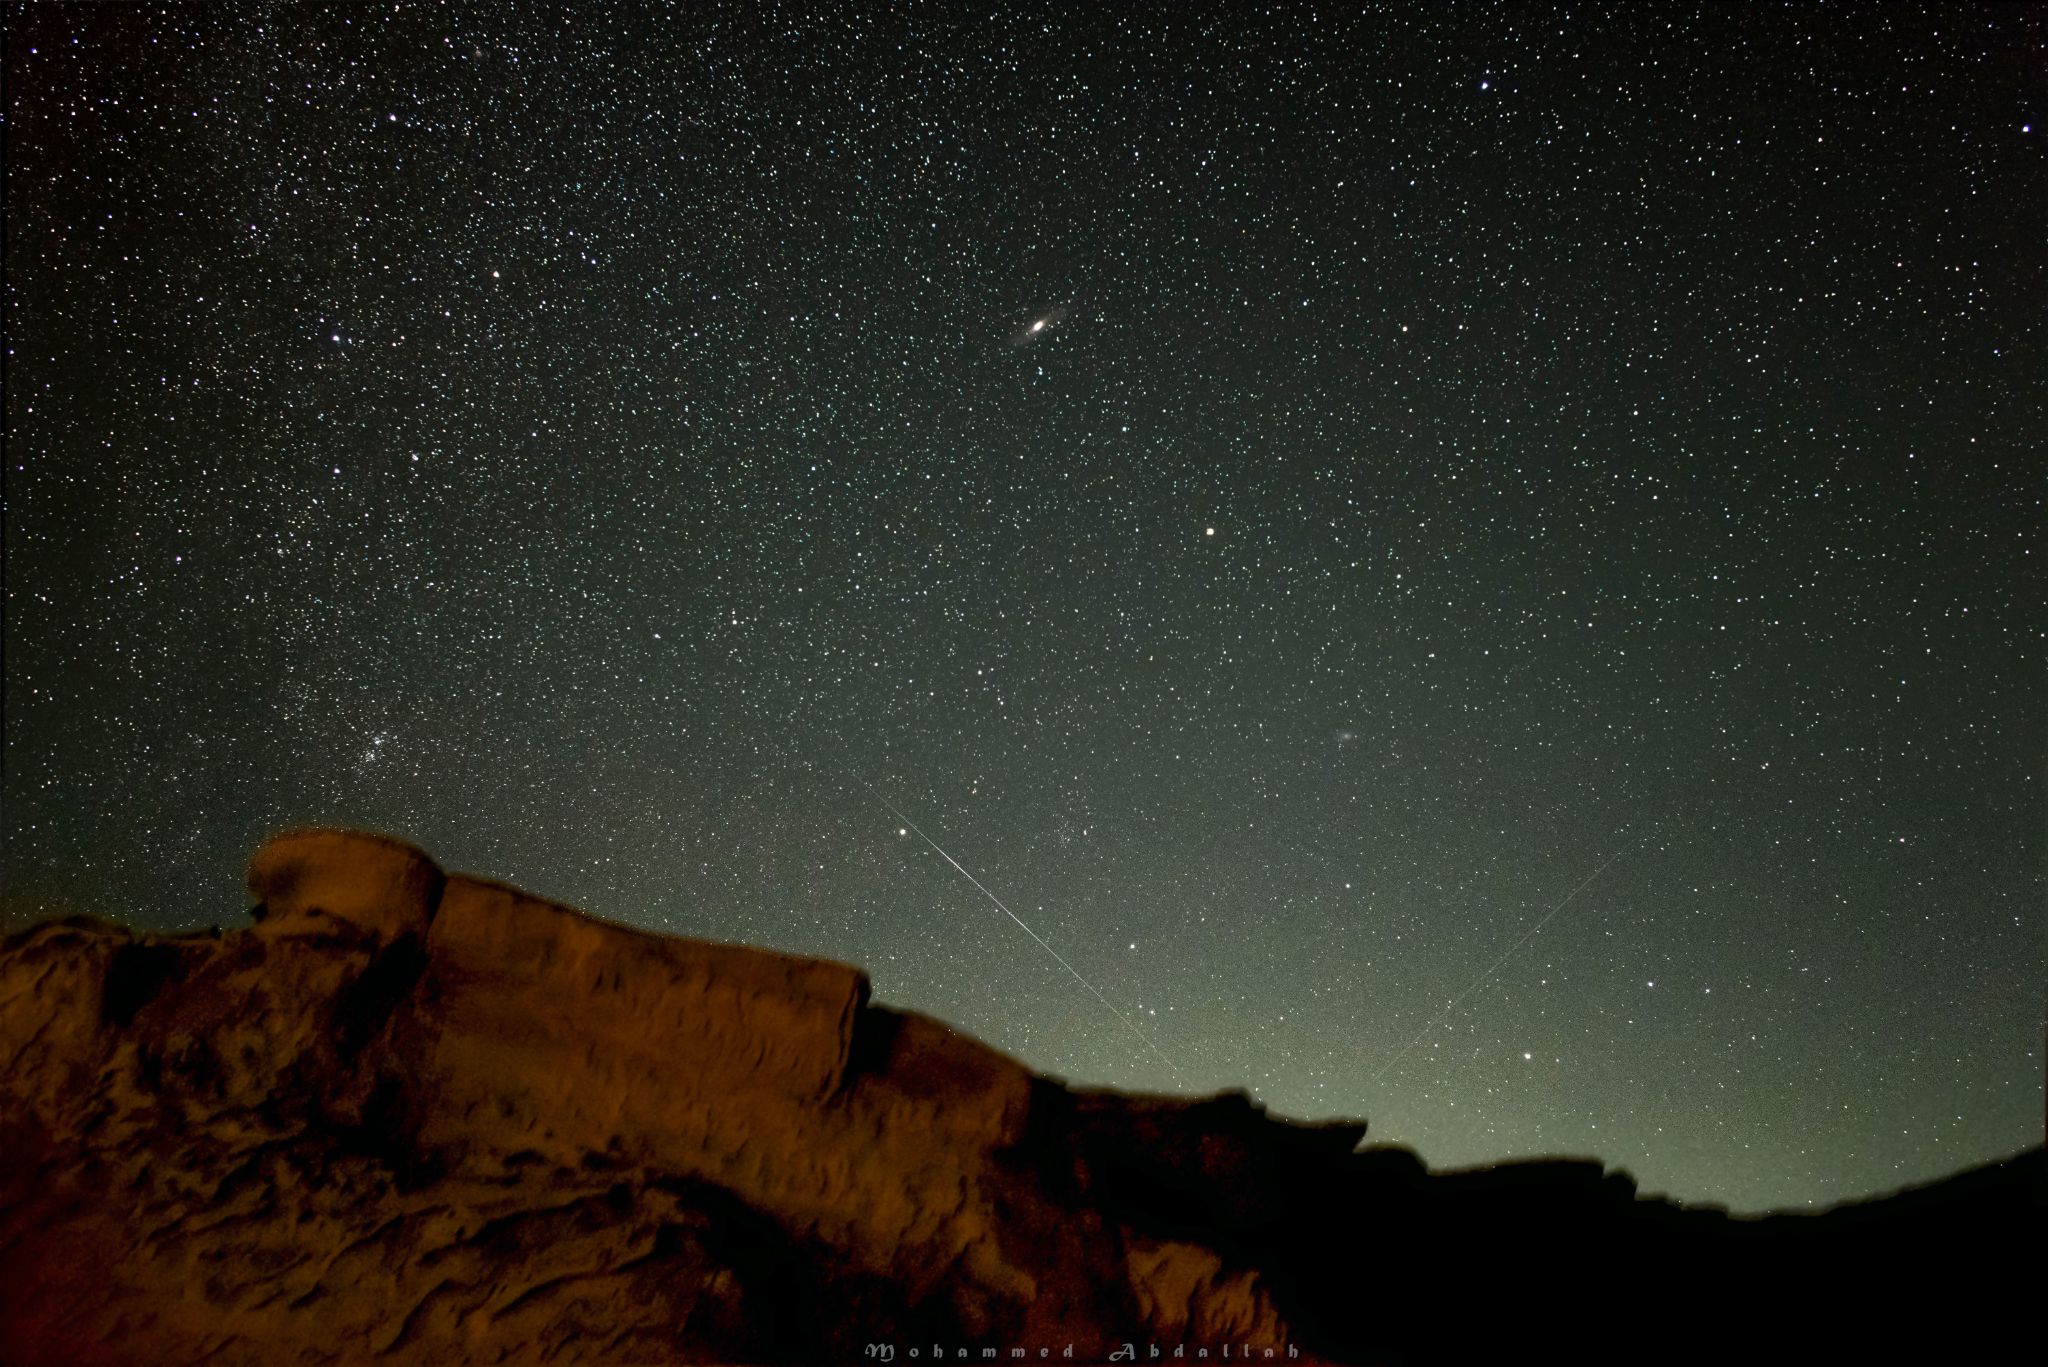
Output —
(415, 1117)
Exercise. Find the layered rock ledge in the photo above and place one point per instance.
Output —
(417, 1117)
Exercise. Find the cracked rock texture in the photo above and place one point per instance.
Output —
(418, 1117)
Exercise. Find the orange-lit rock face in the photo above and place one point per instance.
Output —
(412, 1118)
(321, 882)
(438, 1115)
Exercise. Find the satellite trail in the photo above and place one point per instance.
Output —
(1128, 1023)
(1474, 985)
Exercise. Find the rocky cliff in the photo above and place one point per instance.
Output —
(417, 1117)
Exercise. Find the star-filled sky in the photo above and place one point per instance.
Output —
(1478, 567)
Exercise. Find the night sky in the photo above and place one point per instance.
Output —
(1288, 500)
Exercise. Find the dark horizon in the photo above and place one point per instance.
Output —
(432, 1115)
(1503, 598)
(20, 918)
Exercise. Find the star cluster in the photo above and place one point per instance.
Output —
(1474, 567)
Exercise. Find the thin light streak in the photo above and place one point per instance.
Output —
(1128, 1023)
(1527, 936)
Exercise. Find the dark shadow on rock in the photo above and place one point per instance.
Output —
(137, 972)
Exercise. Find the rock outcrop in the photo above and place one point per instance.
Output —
(417, 1117)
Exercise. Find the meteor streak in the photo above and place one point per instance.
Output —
(1128, 1023)
(1527, 936)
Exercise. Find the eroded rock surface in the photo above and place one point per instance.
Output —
(417, 1117)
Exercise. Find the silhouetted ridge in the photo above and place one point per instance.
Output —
(429, 1118)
